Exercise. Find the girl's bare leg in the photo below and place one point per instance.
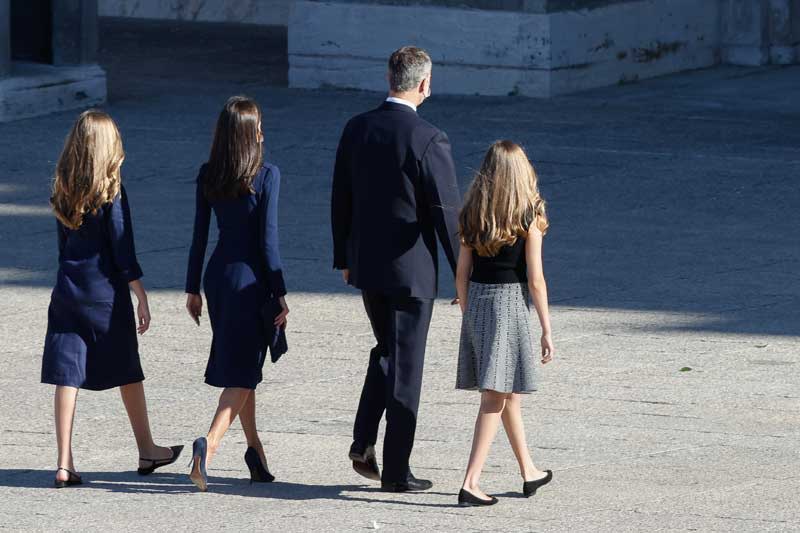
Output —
(515, 429)
(136, 405)
(65, 399)
(492, 405)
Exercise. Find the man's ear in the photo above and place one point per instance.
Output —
(423, 86)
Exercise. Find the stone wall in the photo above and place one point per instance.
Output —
(625, 42)
(62, 74)
(758, 32)
(5, 37)
(347, 44)
(499, 52)
(266, 12)
(497, 47)
(519, 6)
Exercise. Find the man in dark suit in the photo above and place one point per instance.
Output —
(394, 191)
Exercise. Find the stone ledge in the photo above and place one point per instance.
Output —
(491, 52)
(34, 89)
(260, 12)
(369, 31)
(368, 74)
(520, 6)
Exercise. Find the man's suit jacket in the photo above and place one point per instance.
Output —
(394, 190)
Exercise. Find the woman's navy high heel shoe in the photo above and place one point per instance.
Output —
(529, 488)
(198, 473)
(258, 472)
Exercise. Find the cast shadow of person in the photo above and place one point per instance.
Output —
(172, 483)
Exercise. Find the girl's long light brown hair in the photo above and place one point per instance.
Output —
(236, 152)
(502, 202)
(88, 171)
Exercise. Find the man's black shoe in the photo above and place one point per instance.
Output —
(411, 484)
(364, 461)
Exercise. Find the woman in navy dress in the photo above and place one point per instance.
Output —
(243, 274)
(91, 328)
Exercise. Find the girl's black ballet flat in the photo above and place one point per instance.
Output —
(73, 479)
(467, 499)
(158, 463)
(529, 488)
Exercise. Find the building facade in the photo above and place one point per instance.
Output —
(491, 47)
(48, 57)
(498, 47)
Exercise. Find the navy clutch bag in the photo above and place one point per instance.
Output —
(276, 336)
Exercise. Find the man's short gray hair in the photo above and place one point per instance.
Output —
(407, 67)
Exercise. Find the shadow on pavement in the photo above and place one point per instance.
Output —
(167, 483)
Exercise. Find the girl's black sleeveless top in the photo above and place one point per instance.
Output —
(508, 266)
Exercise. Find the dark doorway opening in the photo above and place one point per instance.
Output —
(32, 30)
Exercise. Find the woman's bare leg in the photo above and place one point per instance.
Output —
(515, 429)
(230, 404)
(65, 399)
(247, 416)
(492, 405)
(136, 406)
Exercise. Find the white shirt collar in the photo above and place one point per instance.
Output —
(400, 101)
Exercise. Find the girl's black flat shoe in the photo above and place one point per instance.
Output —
(158, 463)
(529, 488)
(258, 472)
(73, 479)
(467, 499)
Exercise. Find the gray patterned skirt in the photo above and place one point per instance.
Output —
(496, 349)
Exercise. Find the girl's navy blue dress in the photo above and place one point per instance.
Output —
(244, 271)
(91, 328)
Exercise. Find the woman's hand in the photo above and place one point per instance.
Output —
(194, 304)
(547, 349)
(143, 309)
(280, 320)
(143, 314)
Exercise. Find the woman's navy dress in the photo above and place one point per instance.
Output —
(243, 273)
(91, 328)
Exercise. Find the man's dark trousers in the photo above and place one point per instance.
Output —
(394, 377)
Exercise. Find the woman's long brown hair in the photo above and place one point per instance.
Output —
(236, 152)
(502, 202)
(88, 171)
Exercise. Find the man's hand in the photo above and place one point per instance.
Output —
(460, 303)
(346, 275)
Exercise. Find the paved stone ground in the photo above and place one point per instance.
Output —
(675, 212)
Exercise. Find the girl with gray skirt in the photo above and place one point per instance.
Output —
(499, 272)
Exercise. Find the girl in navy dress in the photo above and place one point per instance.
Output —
(243, 274)
(91, 328)
(499, 272)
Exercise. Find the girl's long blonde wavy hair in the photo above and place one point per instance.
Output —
(502, 202)
(88, 171)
